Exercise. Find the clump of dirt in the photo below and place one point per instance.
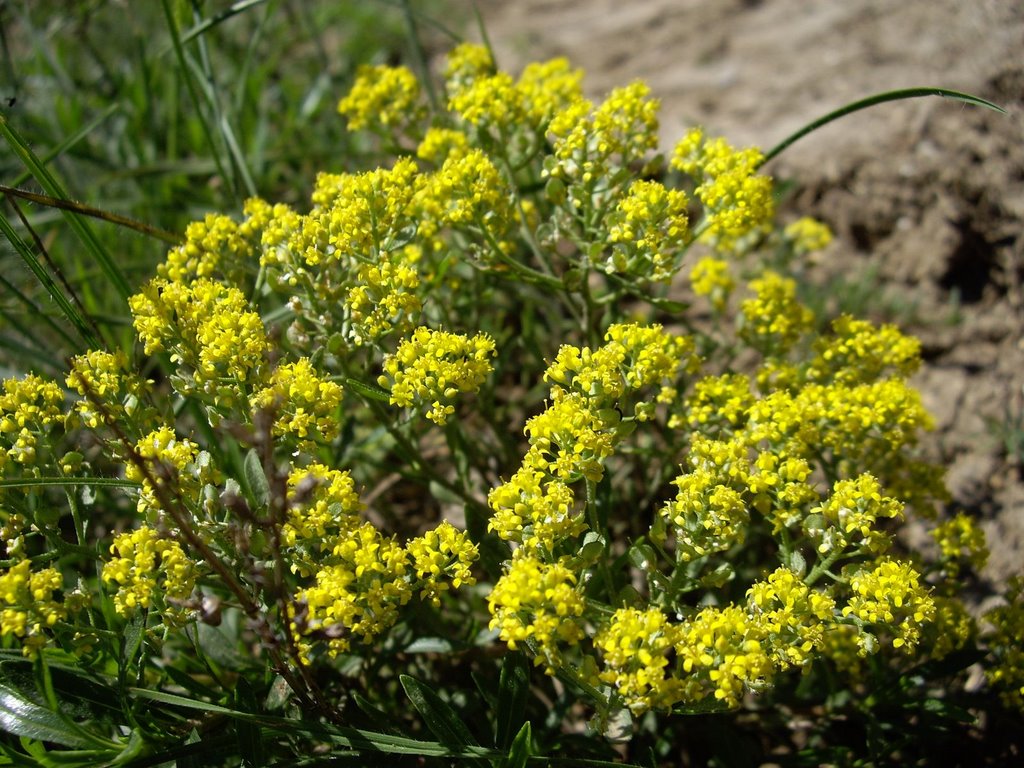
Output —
(926, 197)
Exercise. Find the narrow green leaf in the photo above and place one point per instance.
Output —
(21, 717)
(513, 690)
(257, 479)
(520, 751)
(443, 721)
(870, 101)
(37, 269)
(250, 735)
(70, 141)
(80, 227)
(38, 482)
(375, 393)
(353, 738)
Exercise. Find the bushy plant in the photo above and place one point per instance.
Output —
(527, 428)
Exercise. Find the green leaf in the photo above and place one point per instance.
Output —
(353, 738)
(870, 101)
(520, 751)
(513, 690)
(257, 479)
(37, 269)
(374, 393)
(80, 227)
(443, 721)
(21, 717)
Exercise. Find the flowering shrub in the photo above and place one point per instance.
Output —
(461, 408)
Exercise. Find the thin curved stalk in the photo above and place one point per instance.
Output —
(870, 101)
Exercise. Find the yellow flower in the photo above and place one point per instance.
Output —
(889, 594)
(27, 604)
(382, 99)
(357, 594)
(535, 509)
(736, 200)
(790, 616)
(806, 235)
(441, 556)
(149, 571)
(774, 320)
(537, 602)
(635, 648)
(647, 230)
(710, 277)
(303, 404)
(432, 367)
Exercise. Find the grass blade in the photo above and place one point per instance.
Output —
(96, 213)
(69, 142)
(33, 311)
(353, 738)
(69, 311)
(53, 188)
(870, 101)
(443, 721)
(520, 752)
(513, 688)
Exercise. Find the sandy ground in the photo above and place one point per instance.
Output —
(926, 197)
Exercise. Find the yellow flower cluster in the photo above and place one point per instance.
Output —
(28, 605)
(807, 235)
(623, 128)
(443, 551)
(488, 101)
(711, 277)
(790, 617)
(636, 649)
(177, 466)
(303, 404)
(889, 594)
(468, 193)
(382, 99)
(535, 509)
(438, 144)
(323, 503)
(709, 513)
(493, 101)
(647, 231)
(773, 320)
(207, 326)
(214, 245)
(358, 594)
(953, 627)
(718, 404)
(28, 408)
(722, 657)
(850, 515)
(104, 376)
(960, 540)
(779, 489)
(149, 570)
(466, 62)
(737, 201)
(368, 577)
(547, 87)
(361, 215)
(634, 357)
(433, 367)
(538, 604)
(858, 352)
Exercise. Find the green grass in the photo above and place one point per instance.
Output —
(161, 115)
